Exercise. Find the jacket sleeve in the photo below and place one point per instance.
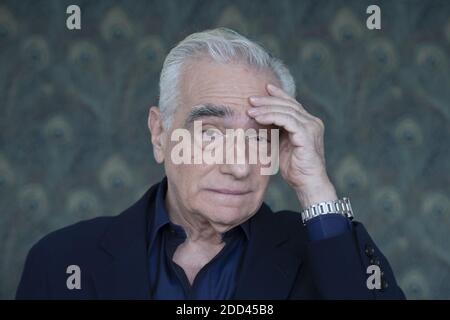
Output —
(340, 267)
(33, 283)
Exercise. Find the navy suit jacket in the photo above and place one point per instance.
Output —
(280, 262)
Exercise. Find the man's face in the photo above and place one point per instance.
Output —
(224, 195)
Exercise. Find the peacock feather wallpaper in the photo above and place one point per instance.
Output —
(74, 142)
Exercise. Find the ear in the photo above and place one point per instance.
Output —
(157, 132)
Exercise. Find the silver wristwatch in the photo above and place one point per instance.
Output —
(341, 206)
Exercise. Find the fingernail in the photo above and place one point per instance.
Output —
(253, 99)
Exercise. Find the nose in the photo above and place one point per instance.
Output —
(238, 171)
(236, 156)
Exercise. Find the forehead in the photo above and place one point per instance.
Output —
(204, 81)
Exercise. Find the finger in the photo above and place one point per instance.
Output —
(269, 100)
(281, 109)
(278, 92)
(286, 121)
(257, 100)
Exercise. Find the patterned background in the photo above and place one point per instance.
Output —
(73, 107)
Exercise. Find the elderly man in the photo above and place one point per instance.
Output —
(204, 232)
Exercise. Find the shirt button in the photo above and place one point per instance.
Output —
(375, 261)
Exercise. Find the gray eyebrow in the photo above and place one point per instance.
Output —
(208, 110)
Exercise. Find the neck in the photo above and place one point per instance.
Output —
(197, 227)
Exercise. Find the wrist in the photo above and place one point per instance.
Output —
(315, 194)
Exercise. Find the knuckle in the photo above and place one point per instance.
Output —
(319, 123)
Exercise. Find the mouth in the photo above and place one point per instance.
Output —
(231, 192)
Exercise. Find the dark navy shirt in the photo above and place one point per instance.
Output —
(217, 279)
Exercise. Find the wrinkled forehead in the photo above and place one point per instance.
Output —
(229, 83)
(223, 86)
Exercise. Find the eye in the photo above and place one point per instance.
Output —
(258, 138)
(209, 133)
(263, 139)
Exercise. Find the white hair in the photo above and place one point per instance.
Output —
(223, 45)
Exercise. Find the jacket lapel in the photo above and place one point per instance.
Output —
(271, 262)
(124, 274)
(268, 271)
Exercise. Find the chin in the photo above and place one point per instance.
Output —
(227, 215)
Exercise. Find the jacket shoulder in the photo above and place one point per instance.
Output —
(83, 232)
(79, 237)
(47, 261)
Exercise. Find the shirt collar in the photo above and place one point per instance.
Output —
(161, 217)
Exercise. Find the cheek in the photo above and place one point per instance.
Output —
(262, 182)
(187, 177)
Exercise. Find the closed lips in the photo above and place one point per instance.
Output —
(229, 191)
